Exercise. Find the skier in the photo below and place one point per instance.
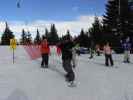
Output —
(66, 49)
(127, 47)
(45, 51)
(108, 54)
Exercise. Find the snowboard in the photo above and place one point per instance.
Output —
(72, 84)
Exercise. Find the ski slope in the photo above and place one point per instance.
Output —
(25, 80)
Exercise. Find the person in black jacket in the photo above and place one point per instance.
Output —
(66, 49)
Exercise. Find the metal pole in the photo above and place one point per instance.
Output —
(13, 56)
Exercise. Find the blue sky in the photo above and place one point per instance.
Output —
(66, 14)
(50, 9)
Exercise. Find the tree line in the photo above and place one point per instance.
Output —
(116, 24)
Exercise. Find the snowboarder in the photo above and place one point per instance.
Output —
(66, 49)
(45, 51)
(127, 47)
(108, 54)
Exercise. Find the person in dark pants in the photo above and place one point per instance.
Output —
(108, 55)
(45, 51)
(127, 48)
(45, 59)
(70, 76)
(66, 49)
(107, 59)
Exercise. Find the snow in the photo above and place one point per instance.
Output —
(25, 80)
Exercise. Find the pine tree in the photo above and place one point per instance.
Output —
(130, 18)
(53, 36)
(115, 22)
(29, 38)
(23, 37)
(83, 39)
(96, 31)
(37, 39)
(111, 17)
(47, 34)
(6, 36)
(68, 35)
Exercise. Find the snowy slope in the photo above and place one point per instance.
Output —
(25, 80)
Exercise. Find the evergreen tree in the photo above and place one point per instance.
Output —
(111, 17)
(115, 22)
(130, 18)
(83, 39)
(29, 38)
(53, 36)
(47, 34)
(116, 18)
(23, 37)
(67, 36)
(6, 36)
(96, 31)
(37, 39)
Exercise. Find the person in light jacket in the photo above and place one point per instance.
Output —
(108, 54)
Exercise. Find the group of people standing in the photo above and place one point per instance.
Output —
(68, 51)
(107, 51)
(126, 46)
